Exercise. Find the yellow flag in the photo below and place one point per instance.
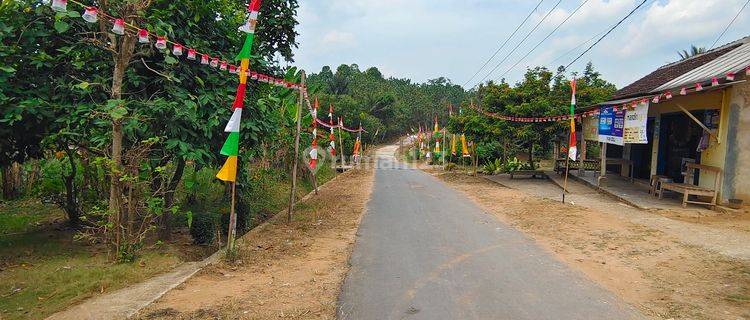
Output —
(228, 172)
(464, 147)
(453, 144)
(244, 65)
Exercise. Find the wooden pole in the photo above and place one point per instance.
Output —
(476, 159)
(567, 168)
(293, 192)
(603, 164)
(343, 161)
(232, 232)
(442, 154)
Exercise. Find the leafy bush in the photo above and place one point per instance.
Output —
(489, 167)
(451, 166)
(516, 164)
(203, 228)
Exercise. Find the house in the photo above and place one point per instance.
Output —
(698, 112)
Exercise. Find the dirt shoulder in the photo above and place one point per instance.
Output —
(290, 271)
(663, 277)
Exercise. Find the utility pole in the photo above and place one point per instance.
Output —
(296, 149)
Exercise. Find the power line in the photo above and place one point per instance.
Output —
(575, 48)
(730, 23)
(606, 34)
(504, 43)
(519, 44)
(545, 38)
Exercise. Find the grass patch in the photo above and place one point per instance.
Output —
(25, 215)
(42, 270)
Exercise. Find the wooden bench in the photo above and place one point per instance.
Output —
(687, 189)
(591, 165)
(531, 173)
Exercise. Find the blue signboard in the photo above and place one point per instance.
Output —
(611, 124)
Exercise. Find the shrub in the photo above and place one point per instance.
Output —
(451, 166)
(203, 228)
(489, 167)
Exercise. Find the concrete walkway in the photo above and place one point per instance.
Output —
(425, 252)
(125, 302)
(731, 243)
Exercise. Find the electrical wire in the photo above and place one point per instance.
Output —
(504, 43)
(730, 23)
(575, 48)
(545, 38)
(520, 43)
(607, 33)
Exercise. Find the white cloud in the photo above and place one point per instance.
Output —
(338, 38)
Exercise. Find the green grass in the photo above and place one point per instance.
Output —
(42, 270)
(20, 216)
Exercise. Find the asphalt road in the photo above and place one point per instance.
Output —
(423, 251)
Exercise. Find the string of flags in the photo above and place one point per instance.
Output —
(120, 27)
(339, 124)
(630, 105)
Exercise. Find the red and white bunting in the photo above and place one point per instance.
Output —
(730, 76)
(714, 81)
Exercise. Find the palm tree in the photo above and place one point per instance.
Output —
(684, 54)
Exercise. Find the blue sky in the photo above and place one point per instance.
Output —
(426, 39)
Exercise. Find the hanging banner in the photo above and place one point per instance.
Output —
(611, 123)
(591, 128)
(635, 124)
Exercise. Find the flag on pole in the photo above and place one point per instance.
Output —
(572, 149)
(437, 128)
(464, 147)
(453, 144)
(331, 136)
(314, 146)
(228, 171)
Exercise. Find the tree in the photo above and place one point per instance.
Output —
(694, 51)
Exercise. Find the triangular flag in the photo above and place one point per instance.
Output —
(234, 122)
(668, 95)
(683, 91)
(232, 145)
(246, 47)
(730, 76)
(239, 98)
(698, 87)
(228, 172)
(714, 81)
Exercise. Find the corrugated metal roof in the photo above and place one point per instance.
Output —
(733, 61)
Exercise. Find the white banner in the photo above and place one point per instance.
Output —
(635, 124)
